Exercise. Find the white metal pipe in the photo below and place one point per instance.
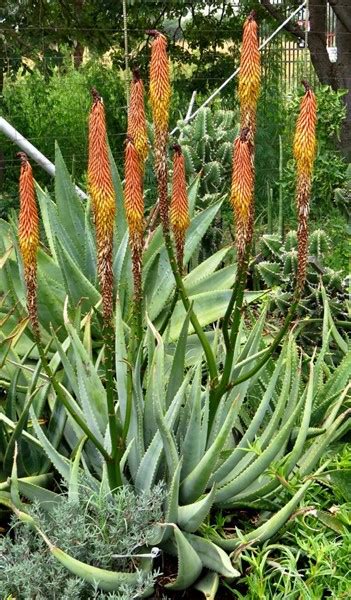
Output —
(225, 83)
(12, 134)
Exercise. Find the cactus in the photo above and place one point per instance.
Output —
(277, 267)
(342, 196)
(207, 146)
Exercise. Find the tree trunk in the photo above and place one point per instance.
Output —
(337, 75)
(78, 47)
(78, 54)
(343, 80)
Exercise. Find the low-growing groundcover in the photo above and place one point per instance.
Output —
(101, 529)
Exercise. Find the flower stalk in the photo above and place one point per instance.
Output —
(137, 130)
(160, 95)
(28, 234)
(249, 75)
(134, 206)
(243, 173)
(242, 194)
(103, 200)
(180, 219)
(304, 152)
(242, 191)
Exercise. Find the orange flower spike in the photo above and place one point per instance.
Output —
(160, 87)
(103, 199)
(134, 206)
(179, 203)
(242, 190)
(136, 117)
(133, 193)
(304, 152)
(305, 134)
(250, 72)
(28, 233)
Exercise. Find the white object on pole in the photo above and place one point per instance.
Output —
(14, 135)
(225, 83)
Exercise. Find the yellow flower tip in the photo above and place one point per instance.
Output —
(133, 193)
(136, 117)
(305, 133)
(250, 71)
(28, 231)
(160, 87)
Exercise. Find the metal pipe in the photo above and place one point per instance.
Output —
(12, 134)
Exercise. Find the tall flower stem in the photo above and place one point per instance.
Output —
(103, 200)
(28, 234)
(160, 93)
(180, 219)
(210, 359)
(134, 206)
(304, 152)
(236, 302)
(29, 242)
(225, 323)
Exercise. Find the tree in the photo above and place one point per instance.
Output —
(336, 74)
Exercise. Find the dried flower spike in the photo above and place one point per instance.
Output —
(103, 199)
(250, 74)
(136, 118)
(28, 233)
(160, 94)
(304, 152)
(179, 203)
(242, 191)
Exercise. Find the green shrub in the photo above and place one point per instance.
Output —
(48, 109)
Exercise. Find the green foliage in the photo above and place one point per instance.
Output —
(211, 448)
(310, 558)
(93, 529)
(279, 267)
(342, 196)
(55, 109)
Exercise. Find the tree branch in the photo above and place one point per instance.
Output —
(292, 28)
(342, 12)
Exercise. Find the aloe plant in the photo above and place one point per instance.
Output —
(156, 395)
(264, 461)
